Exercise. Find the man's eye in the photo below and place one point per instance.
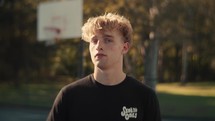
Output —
(94, 40)
(107, 40)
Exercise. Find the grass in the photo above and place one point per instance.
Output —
(194, 100)
(205, 89)
(40, 95)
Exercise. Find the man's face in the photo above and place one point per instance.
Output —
(107, 49)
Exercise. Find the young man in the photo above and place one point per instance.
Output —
(108, 94)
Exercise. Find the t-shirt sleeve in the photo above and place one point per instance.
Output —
(153, 112)
(58, 111)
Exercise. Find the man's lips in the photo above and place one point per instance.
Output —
(100, 55)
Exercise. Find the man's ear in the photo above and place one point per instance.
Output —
(126, 47)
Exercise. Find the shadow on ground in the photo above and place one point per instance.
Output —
(22, 114)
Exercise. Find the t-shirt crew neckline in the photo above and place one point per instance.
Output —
(108, 86)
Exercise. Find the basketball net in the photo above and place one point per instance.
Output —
(53, 34)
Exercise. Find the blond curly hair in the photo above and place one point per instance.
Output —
(107, 22)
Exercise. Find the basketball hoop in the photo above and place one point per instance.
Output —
(53, 34)
(59, 20)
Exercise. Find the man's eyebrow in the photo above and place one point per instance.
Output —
(107, 35)
(92, 37)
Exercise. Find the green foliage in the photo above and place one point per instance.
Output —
(177, 21)
(189, 21)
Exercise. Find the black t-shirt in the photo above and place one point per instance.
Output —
(88, 100)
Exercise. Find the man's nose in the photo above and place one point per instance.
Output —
(99, 45)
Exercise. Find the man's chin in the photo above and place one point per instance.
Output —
(101, 66)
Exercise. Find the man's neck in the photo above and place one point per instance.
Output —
(109, 77)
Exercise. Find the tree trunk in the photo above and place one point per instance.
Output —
(151, 63)
(151, 58)
(184, 63)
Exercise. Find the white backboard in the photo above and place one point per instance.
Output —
(59, 19)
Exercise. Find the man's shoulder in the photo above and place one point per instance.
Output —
(80, 83)
(139, 85)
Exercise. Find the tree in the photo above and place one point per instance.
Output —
(181, 26)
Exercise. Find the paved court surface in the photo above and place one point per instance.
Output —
(22, 114)
(34, 114)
